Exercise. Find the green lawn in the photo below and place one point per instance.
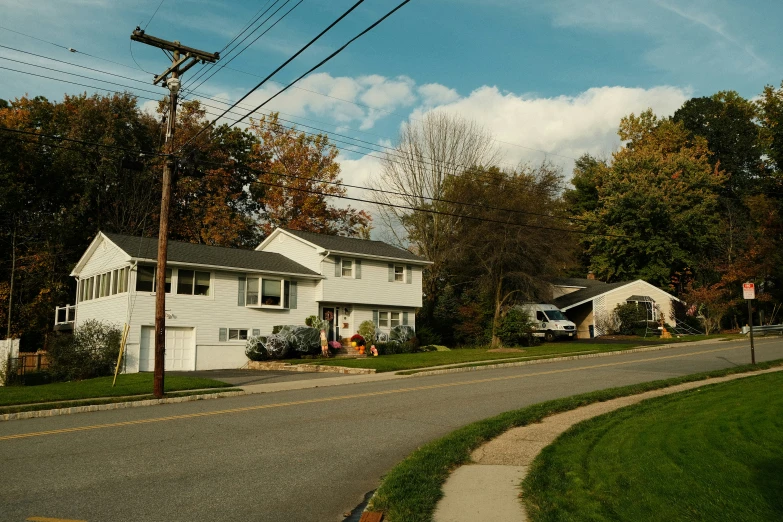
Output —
(130, 384)
(411, 490)
(412, 361)
(714, 453)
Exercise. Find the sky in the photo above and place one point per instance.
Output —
(550, 80)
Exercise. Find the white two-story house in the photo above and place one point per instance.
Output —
(216, 298)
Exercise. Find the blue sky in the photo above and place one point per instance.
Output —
(549, 79)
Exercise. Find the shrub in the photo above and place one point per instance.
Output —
(428, 336)
(401, 333)
(397, 347)
(255, 348)
(367, 330)
(629, 317)
(516, 328)
(314, 322)
(91, 351)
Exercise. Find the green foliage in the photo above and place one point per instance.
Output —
(91, 351)
(314, 321)
(367, 330)
(628, 317)
(428, 336)
(255, 349)
(516, 328)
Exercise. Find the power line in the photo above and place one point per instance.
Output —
(207, 69)
(202, 82)
(325, 60)
(546, 153)
(289, 60)
(153, 14)
(432, 162)
(82, 142)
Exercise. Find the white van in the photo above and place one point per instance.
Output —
(549, 321)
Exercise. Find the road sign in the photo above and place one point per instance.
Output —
(748, 290)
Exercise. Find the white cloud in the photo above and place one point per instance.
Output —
(437, 94)
(531, 129)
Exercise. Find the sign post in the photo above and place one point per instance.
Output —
(749, 293)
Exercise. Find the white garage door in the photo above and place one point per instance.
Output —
(180, 349)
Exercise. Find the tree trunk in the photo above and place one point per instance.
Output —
(496, 342)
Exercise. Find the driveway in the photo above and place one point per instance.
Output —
(245, 377)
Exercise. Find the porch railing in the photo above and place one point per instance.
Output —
(64, 315)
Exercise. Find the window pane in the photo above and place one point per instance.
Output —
(123, 280)
(185, 282)
(271, 292)
(233, 334)
(399, 273)
(347, 268)
(383, 319)
(168, 280)
(252, 291)
(243, 335)
(104, 284)
(395, 319)
(145, 275)
(113, 282)
(202, 283)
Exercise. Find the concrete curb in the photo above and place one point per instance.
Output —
(116, 406)
(553, 359)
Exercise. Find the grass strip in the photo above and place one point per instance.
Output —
(412, 489)
(100, 387)
(107, 400)
(709, 453)
(482, 356)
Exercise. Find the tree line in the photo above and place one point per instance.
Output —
(231, 188)
(690, 203)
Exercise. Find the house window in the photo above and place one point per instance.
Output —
(399, 274)
(122, 280)
(145, 279)
(190, 282)
(347, 268)
(271, 292)
(252, 292)
(395, 319)
(237, 334)
(104, 278)
(383, 319)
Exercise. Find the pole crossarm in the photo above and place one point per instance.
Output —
(139, 35)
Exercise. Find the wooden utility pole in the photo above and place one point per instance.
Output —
(179, 64)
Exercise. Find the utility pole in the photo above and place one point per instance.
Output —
(179, 64)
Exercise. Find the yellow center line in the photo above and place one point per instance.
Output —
(45, 519)
(344, 397)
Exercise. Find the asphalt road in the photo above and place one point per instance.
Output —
(305, 455)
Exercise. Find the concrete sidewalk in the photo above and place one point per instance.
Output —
(489, 488)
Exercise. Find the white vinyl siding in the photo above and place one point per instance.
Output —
(374, 287)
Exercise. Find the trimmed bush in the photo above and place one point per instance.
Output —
(91, 351)
(367, 330)
(629, 318)
(428, 336)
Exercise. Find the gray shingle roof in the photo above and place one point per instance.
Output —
(567, 300)
(180, 252)
(576, 281)
(355, 246)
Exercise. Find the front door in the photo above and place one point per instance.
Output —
(329, 314)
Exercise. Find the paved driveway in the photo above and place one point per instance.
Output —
(245, 377)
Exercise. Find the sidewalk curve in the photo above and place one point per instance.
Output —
(488, 489)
